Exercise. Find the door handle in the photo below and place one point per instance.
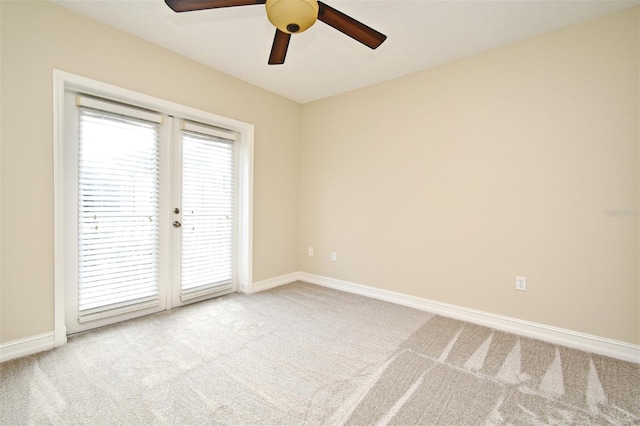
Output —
(177, 224)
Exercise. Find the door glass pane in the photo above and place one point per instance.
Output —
(118, 212)
(207, 215)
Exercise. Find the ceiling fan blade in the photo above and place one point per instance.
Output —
(349, 26)
(189, 5)
(279, 48)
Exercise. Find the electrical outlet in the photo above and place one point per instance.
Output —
(310, 251)
(521, 283)
(334, 257)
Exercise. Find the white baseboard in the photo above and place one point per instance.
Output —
(573, 339)
(23, 347)
(272, 282)
(586, 342)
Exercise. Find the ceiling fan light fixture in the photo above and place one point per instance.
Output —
(292, 16)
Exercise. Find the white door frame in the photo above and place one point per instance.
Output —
(63, 81)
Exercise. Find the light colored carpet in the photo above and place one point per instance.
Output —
(302, 354)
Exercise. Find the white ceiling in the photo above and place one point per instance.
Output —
(322, 62)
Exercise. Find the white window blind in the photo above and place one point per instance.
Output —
(207, 211)
(118, 213)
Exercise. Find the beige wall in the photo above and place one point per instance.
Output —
(40, 36)
(448, 183)
(0, 171)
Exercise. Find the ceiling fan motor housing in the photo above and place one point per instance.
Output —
(292, 16)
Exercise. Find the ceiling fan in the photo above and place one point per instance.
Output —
(290, 17)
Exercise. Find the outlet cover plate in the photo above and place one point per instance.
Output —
(521, 283)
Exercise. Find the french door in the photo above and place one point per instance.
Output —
(151, 211)
(204, 212)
